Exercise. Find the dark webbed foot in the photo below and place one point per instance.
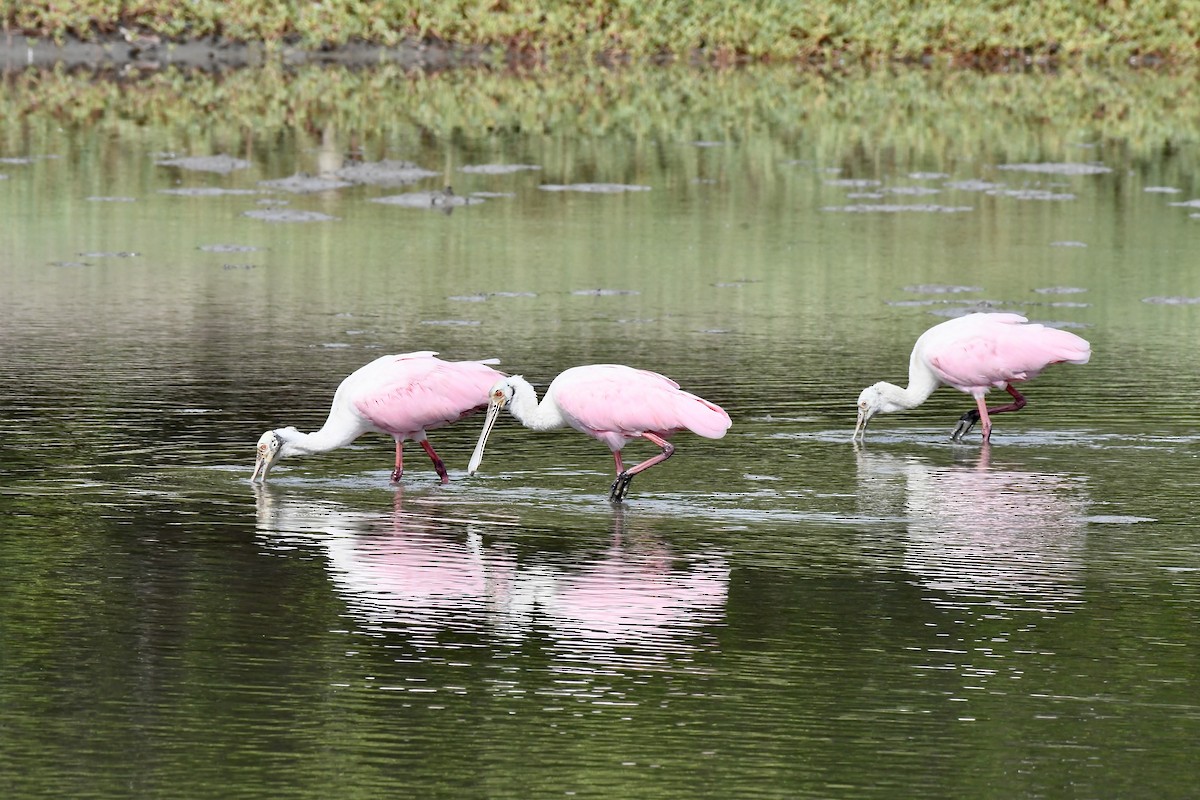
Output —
(965, 423)
(620, 487)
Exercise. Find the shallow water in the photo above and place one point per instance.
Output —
(778, 613)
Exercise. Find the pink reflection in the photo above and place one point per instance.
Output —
(433, 578)
(980, 532)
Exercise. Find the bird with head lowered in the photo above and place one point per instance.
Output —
(974, 353)
(609, 402)
(402, 396)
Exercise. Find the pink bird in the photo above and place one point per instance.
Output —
(400, 395)
(610, 402)
(973, 354)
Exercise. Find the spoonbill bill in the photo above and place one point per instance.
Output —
(400, 395)
(973, 354)
(609, 402)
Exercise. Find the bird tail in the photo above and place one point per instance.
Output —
(705, 418)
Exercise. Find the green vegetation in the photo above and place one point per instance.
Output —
(812, 114)
(971, 31)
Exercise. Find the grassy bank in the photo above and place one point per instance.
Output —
(969, 31)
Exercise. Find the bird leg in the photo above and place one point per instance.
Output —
(437, 461)
(968, 420)
(620, 487)
(399, 470)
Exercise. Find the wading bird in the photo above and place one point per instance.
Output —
(400, 395)
(974, 353)
(609, 402)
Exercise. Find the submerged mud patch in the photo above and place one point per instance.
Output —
(973, 185)
(102, 199)
(604, 292)
(940, 288)
(287, 215)
(853, 183)
(205, 191)
(1060, 290)
(1059, 168)
(497, 169)
(385, 173)
(443, 200)
(594, 188)
(228, 248)
(1172, 301)
(1068, 244)
(223, 164)
(303, 183)
(896, 208)
(1031, 194)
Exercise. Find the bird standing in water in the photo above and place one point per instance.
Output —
(609, 402)
(400, 395)
(973, 354)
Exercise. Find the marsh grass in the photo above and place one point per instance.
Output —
(945, 115)
(973, 31)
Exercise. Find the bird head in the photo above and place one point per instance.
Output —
(270, 449)
(871, 401)
(499, 396)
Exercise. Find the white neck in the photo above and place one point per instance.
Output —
(338, 431)
(543, 416)
(921, 383)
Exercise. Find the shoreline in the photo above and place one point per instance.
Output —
(19, 51)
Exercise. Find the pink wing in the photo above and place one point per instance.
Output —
(405, 394)
(985, 350)
(611, 398)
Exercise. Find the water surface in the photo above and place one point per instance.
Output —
(778, 613)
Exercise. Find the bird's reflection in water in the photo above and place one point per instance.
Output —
(436, 582)
(980, 533)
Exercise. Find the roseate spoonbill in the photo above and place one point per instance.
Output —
(610, 402)
(400, 395)
(973, 353)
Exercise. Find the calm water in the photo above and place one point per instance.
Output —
(776, 614)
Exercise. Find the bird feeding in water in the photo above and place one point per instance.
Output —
(609, 402)
(973, 354)
(400, 395)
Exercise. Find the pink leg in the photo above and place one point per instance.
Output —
(984, 419)
(968, 420)
(620, 486)
(617, 459)
(399, 470)
(437, 461)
